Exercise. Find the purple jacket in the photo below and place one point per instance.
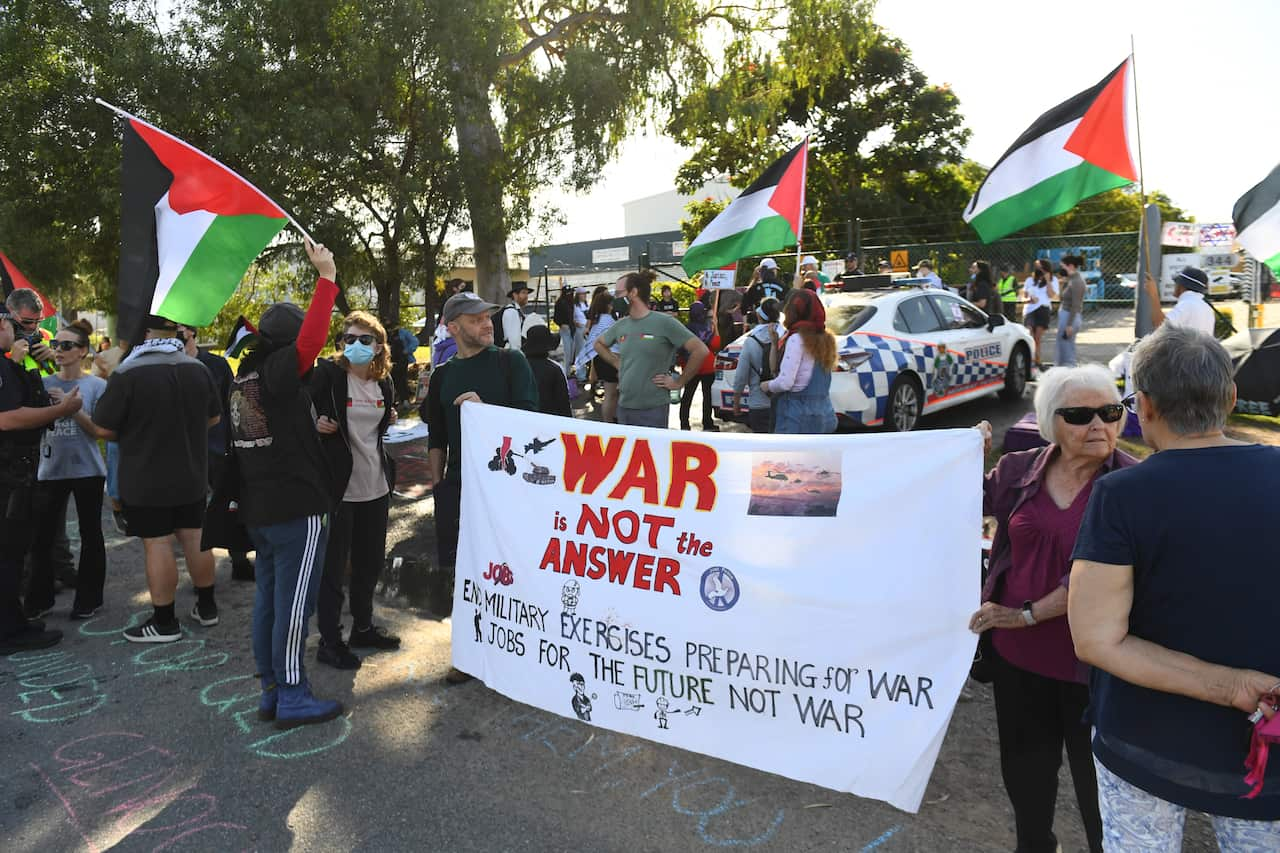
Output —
(1015, 480)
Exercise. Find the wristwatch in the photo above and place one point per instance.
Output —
(1026, 613)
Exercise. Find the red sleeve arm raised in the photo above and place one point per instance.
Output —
(315, 326)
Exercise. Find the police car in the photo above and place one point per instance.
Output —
(906, 352)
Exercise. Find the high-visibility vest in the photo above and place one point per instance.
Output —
(1007, 287)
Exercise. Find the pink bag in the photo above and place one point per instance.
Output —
(1265, 733)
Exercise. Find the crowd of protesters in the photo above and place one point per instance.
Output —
(1100, 631)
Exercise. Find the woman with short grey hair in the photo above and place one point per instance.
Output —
(1037, 498)
(1174, 603)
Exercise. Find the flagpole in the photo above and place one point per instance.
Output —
(1137, 119)
(804, 180)
(133, 117)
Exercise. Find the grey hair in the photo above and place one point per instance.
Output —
(23, 298)
(1057, 382)
(1187, 376)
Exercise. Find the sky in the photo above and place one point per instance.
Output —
(1206, 76)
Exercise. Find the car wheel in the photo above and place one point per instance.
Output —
(904, 404)
(1015, 375)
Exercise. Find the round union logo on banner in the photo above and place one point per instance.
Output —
(719, 588)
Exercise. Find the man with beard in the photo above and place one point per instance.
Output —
(479, 372)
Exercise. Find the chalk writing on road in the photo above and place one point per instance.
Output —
(721, 817)
(237, 699)
(55, 687)
(119, 785)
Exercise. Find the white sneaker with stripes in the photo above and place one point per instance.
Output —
(153, 632)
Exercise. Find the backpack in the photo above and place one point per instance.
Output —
(765, 373)
(527, 322)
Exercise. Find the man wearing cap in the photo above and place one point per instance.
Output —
(24, 415)
(479, 372)
(1190, 285)
(764, 285)
(809, 264)
(754, 363)
(159, 405)
(512, 317)
(849, 279)
(924, 270)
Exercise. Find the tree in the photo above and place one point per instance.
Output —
(883, 141)
(333, 107)
(545, 90)
(59, 152)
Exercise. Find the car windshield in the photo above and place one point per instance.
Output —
(844, 317)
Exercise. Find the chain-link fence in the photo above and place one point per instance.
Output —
(1110, 274)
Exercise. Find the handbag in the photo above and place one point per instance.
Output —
(1265, 733)
(222, 525)
(985, 659)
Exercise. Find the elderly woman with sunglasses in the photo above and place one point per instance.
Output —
(1038, 498)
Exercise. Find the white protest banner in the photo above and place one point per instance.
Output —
(721, 279)
(797, 604)
(1186, 234)
(1218, 235)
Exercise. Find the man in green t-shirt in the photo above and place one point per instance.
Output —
(647, 344)
(479, 372)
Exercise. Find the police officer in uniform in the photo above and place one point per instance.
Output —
(24, 413)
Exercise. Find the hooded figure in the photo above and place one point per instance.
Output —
(284, 494)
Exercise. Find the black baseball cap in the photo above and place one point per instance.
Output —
(1193, 278)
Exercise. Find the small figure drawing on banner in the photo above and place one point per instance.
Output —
(503, 458)
(569, 597)
(537, 445)
(479, 635)
(661, 714)
(581, 701)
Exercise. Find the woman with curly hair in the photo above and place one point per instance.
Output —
(803, 382)
(355, 401)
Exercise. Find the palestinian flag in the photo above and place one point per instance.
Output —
(766, 217)
(189, 228)
(243, 334)
(1076, 150)
(1257, 219)
(11, 279)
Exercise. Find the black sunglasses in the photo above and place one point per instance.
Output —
(64, 346)
(351, 339)
(1081, 415)
(28, 322)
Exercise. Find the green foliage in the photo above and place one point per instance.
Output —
(701, 212)
(884, 142)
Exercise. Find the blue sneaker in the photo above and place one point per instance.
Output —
(297, 707)
(267, 704)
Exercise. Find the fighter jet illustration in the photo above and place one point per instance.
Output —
(538, 445)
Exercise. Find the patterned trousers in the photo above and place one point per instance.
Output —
(1134, 821)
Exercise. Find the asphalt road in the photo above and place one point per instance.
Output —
(112, 746)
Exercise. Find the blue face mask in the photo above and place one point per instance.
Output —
(358, 353)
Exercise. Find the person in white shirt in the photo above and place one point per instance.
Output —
(513, 315)
(1191, 311)
(1039, 291)
(924, 270)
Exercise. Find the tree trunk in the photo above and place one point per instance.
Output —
(480, 156)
